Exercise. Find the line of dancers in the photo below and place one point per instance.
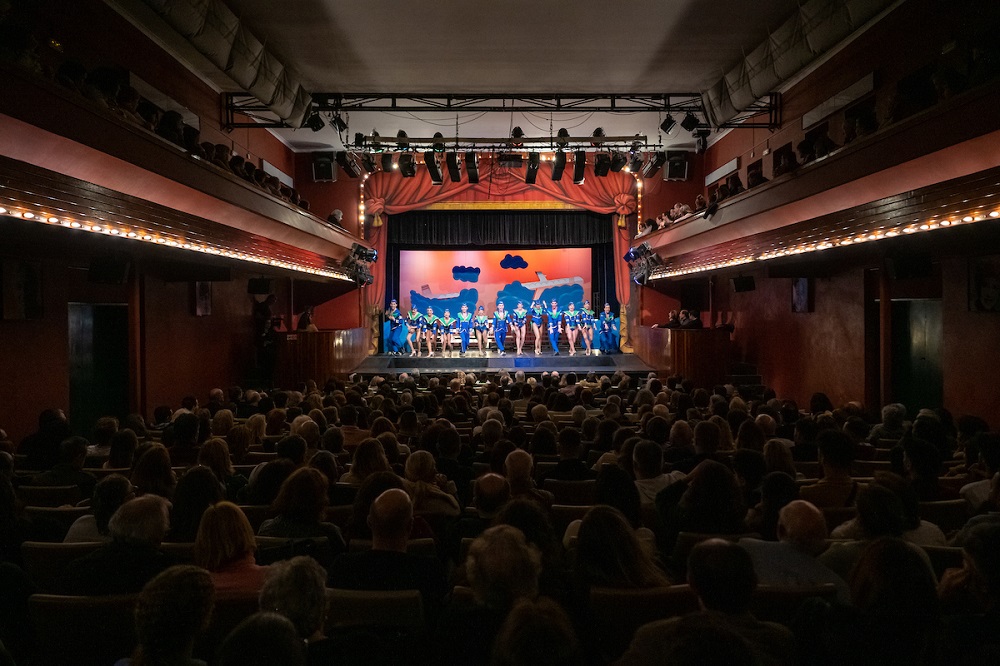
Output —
(433, 332)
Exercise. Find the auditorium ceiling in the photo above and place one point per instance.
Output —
(505, 46)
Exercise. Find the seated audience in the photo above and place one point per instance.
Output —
(68, 471)
(225, 546)
(433, 494)
(261, 640)
(915, 530)
(369, 457)
(299, 510)
(110, 493)
(536, 632)
(609, 554)
(197, 490)
(131, 558)
(152, 474)
(708, 501)
(172, 610)
(836, 488)
(791, 560)
(570, 467)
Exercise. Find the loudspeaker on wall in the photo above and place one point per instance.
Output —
(324, 168)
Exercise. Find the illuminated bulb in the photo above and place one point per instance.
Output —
(892, 234)
(29, 216)
(65, 223)
(924, 227)
(967, 218)
(160, 240)
(993, 214)
(95, 228)
(945, 223)
(395, 166)
(3, 211)
(53, 220)
(908, 230)
(131, 234)
(846, 241)
(147, 237)
(75, 225)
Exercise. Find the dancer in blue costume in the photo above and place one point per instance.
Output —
(464, 327)
(480, 324)
(608, 330)
(536, 325)
(587, 318)
(518, 317)
(572, 318)
(430, 328)
(449, 326)
(414, 330)
(501, 319)
(395, 317)
(555, 326)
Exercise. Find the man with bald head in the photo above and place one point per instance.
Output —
(791, 561)
(518, 467)
(387, 566)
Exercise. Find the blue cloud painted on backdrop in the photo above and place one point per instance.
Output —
(516, 261)
(514, 292)
(465, 273)
(468, 296)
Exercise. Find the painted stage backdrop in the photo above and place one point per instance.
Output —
(448, 278)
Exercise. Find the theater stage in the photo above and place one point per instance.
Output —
(493, 363)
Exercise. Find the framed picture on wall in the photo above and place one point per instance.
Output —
(802, 295)
(984, 284)
(202, 299)
(20, 289)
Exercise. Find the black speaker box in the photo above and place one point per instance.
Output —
(677, 165)
(109, 270)
(259, 286)
(324, 168)
(743, 283)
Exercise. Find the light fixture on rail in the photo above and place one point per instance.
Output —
(657, 160)
(634, 161)
(438, 145)
(668, 124)
(433, 167)
(315, 122)
(339, 123)
(472, 166)
(515, 134)
(402, 145)
(579, 167)
(598, 135)
(534, 160)
(454, 164)
(407, 165)
(602, 164)
(690, 122)
(558, 165)
(702, 138)
(561, 136)
(618, 161)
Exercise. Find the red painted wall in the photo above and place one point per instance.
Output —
(659, 196)
(324, 198)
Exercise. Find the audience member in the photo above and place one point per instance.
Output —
(225, 546)
(110, 493)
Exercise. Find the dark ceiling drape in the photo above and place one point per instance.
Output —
(498, 229)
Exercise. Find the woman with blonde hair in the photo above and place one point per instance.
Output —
(214, 454)
(369, 458)
(778, 458)
(238, 442)
(258, 429)
(225, 546)
(725, 433)
(222, 423)
(432, 493)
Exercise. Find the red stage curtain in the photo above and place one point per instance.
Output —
(375, 292)
(623, 241)
(390, 193)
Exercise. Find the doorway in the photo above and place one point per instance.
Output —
(917, 377)
(98, 364)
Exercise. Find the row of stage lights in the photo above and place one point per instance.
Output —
(156, 238)
(828, 243)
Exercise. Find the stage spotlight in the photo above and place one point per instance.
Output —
(454, 167)
(534, 159)
(407, 165)
(510, 160)
(597, 136)
(368, 162)
(347, 163)
(515, 134)
(472, 166)
(618, 161)
(359, 139)
(402, 145)
(630, 256)
(602, 164)
(376, 143)
(339, 123)
(658, 159)
(558, 165)
(387, 164)
(668, 124)
(562, 135)
(433, 167)
(315, 122)
(690, 121)
(438, 145)
(635, 162)
(579, 167)
(702, 137)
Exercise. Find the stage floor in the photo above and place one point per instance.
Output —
(493, 363)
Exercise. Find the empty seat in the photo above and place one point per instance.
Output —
(49, 495)
(424, 547)
(564, 514)
(83, 631)
(65, 516)
(617, 613)
(45, 562)
(572, 492)
(949, 515)
(402, 610)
